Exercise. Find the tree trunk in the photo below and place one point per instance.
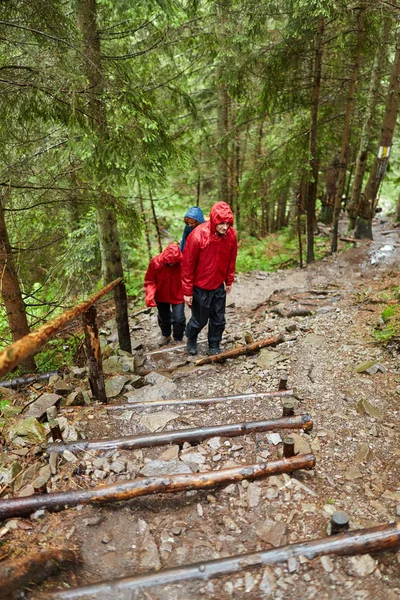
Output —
(346, 132)
(373, 95)
(313, 180)
(328, 198)
(145, 222)
(223, 143)
(10, 290)
(398, 210)
(369, 196)
(281, 211)
(106, 220)
(155, 221)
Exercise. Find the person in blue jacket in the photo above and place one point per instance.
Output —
(193, 217)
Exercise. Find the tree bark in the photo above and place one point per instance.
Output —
(313, 146)
(86, 11)
(240, 350)
(155, 221)
(373, 95)
(369, 196)
(346, 131)
(10, 290)
(145, 223)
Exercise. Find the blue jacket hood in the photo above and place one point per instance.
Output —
(195, 213)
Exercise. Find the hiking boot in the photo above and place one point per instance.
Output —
(212, 350)
(191, 346)
(164, 340)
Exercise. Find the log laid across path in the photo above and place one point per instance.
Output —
(127, 490)
(247, 349)
(189, 401)
(361, 541)
(193, 434)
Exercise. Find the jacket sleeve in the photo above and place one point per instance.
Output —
(150, 285)
(189, 263)
(230, 272)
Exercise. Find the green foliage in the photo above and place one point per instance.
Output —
(388, 327)
(58, 353)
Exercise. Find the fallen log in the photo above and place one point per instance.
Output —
(165, 484)
(350, 240)
(189, 401)
(194, 434)
(361, 541)
(247, 349)
(19, 574)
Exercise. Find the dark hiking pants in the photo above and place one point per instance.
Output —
(171, 316)
(208, 305)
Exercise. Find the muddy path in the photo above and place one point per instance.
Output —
(356, 446)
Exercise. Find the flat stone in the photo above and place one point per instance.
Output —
(268, 583)
(39, 407)
(42, 478)
(301, 445)
(363, 453)
(111, 365)
(157, 420)
(75, 399)
(271, 533)
(274, 438)
(115, 385)
(27, 431)
(149, 557)
(147, 393)
(7, 473)
(69, 456)
(214, 443)
(253, 495)
(155, 378)
(361, 566)
(366, 366)
(366, 407)
(118, 466)
(314, 340)
(268, 358)
(62, 388)
(161, 467)
(327, 563)
(170, 453)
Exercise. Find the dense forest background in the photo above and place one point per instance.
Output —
(116, 117)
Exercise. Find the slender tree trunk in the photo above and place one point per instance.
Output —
(373, 95)
(281, 211)
(145, 222)
(313, 148)
(86, 11)
(300, 211)
(10, 290)
(369, 196)
(328, 198)
(398, 210)
(155, 221)
(346, 132)
(223, 142)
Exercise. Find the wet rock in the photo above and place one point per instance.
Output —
(271, 533)
(268, 583)
(363, 453)
(115, 385)
(274, 438)
(42, 478)
(27, 431)
(170, 453)
(75, 399)
(7, 473)
(149, 557)
(155, 378)
(361, 566)
(111, 365)
(327, 563)
(69, 456)
(366, 407)
(253, 495)
(118, 466)
(157, 420)
(161, 467)
(62, 388)
(153, 392)
(39, 407)
(69, 432)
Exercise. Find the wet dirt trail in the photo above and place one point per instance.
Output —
(355, 438)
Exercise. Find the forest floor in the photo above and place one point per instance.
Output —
(355, 438)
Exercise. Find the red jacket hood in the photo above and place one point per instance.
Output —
(171, 255)
(220, 213)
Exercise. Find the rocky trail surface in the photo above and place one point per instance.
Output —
(347, 382)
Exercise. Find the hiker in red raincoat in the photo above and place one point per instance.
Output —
(208, 271)
(163, 288)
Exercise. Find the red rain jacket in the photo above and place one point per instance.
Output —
(209, 259)
(163, 282)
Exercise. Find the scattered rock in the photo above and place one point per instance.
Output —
(366, 407)
(157, 420)
(149, 557)
(27, 431)
(253, 494)
(271, 533)
(161, 467)
(115, 385)
(361, 566)
(39, 407)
